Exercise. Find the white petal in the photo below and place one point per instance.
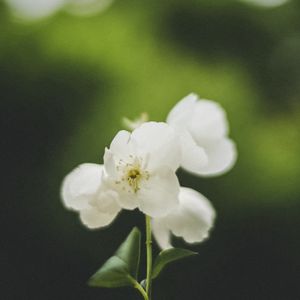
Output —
(208, 121)
(160, 143)
(203, 127)
(121, 149)
(183, 110)
(93, 218)
(120, 145)
(81, 185)
(161, 233)
(159, 194)
(102, 210)
(128, 200)
(109, 160)
(222, 156)
(193, 156)
(106, 200)
(192, 220)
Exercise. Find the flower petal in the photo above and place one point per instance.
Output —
(158, 141)
(183, 110)
(159, 194)
(161, 233)
(110, 164)
(103, 208)
(127, 200)
(93, 218)
(121, 149)
(120, 144)
(195, 217)
(221, 155)
(81, 185)
(193, 156)
(106, 200)
(208, 121)
(192, 220)
(203, 129)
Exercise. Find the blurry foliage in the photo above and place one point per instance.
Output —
(66, 83)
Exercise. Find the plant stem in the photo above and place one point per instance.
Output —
(141, 290)
(149, 256)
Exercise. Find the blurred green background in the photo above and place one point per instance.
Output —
(65, 84)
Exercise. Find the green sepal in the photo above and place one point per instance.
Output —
(122, 268)
(167, 256)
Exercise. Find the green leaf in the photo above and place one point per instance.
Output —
(122, 268)
(167, 256)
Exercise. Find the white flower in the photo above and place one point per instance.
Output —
(83, 190)
(191, 220)
(38, 9)
(203, 130)
(141, 167)
(139, 171)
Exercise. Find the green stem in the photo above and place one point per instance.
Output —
(141, 290)
(149, 256)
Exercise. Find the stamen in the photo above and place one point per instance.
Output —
(133, 178)
(132, 175)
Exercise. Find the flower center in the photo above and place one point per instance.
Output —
(133, 177)
(132, 174)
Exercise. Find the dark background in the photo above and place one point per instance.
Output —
(65, 84)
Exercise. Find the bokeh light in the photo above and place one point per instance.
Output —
(266, 3)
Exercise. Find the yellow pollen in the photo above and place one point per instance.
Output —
(133, 178)
(132, 175)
